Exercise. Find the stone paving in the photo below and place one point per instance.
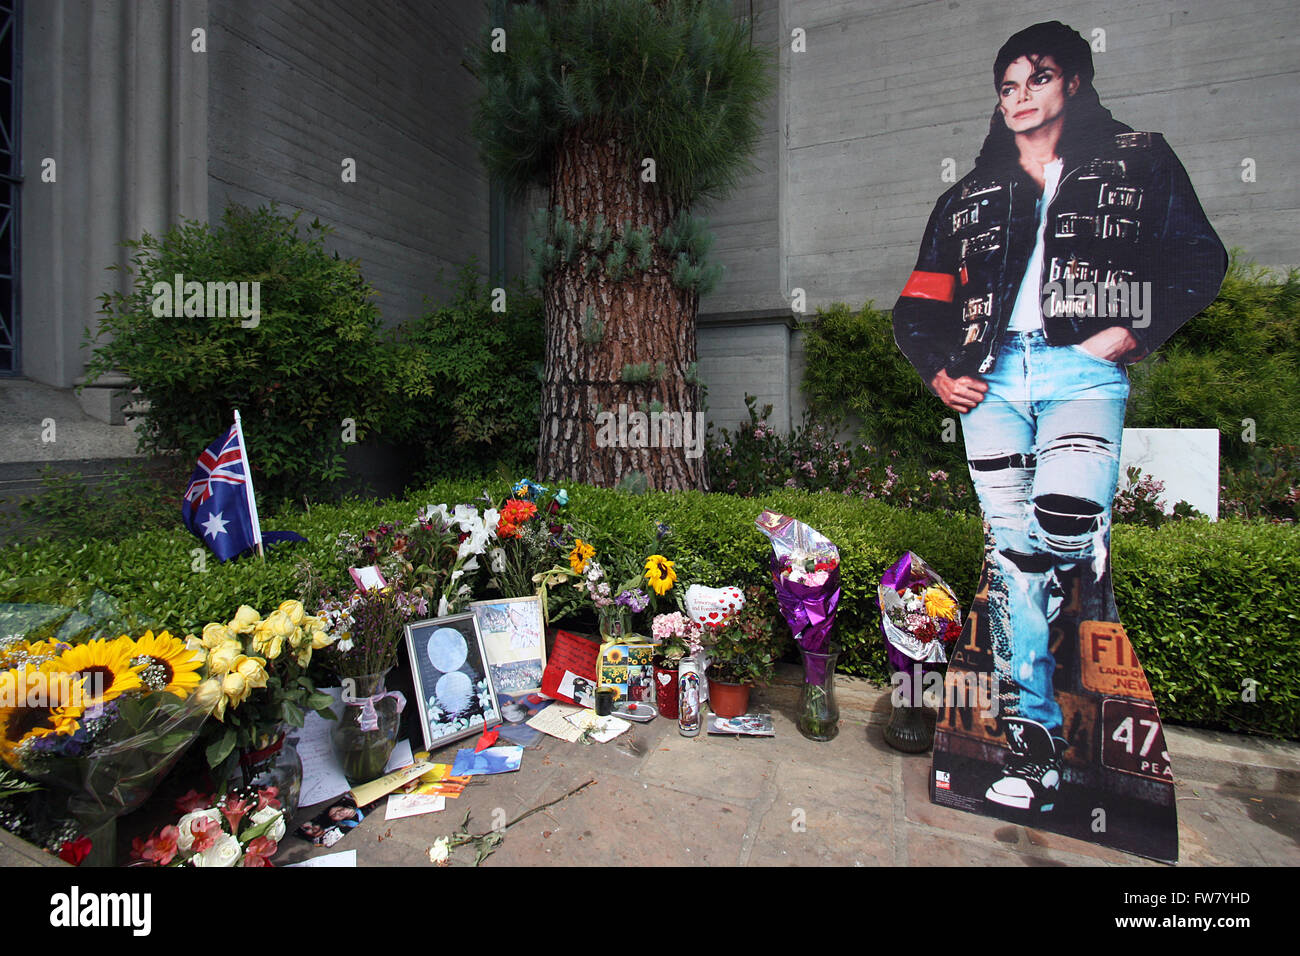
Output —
(658, 798)
(662, 799)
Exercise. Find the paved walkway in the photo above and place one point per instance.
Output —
(662, 799)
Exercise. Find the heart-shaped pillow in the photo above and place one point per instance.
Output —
(712, 605)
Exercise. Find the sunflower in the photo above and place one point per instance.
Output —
(167, 664)
(659, 574)
(580, 555)
(35, 703)
(107, 667)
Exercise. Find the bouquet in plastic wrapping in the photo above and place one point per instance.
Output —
(95, 721)
(806, 573)
(919, 614)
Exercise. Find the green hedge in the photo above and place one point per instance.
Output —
(1207, 606)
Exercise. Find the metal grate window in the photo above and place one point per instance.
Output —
(10, 181)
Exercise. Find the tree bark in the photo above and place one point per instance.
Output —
(646, 320)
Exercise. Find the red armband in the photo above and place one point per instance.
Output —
(930, 285)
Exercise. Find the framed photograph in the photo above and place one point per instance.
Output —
(453, 685)
(515, 642)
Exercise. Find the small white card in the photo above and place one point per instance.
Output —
(413, 804)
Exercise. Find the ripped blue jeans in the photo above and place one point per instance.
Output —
(1043, 448)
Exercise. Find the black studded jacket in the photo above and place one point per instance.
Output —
(1126, 243)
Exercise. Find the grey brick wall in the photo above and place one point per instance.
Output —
(298, 86)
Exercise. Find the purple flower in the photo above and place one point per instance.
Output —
(634, 600)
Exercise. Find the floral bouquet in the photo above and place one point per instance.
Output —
(806, 572)
(98, 723)
(919, 614)
(646, 582)
(677, 636)
(435, 557)
(530, 535)
(367, 628)
(257, 670)
(243, 828)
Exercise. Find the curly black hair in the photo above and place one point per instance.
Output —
(1086, 120)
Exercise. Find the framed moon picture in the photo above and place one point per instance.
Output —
(453, 685)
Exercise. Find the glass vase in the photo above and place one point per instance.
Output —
(908, 729)
(615, 624)
(366, 731)
(819, 714)
(275, 763)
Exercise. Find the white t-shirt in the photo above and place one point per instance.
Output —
(1027, 314)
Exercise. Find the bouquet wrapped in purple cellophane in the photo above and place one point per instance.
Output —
(919, 618)
(806, 574)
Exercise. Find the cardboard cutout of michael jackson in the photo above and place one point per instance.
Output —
(1075, 247)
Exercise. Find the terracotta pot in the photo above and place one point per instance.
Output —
(729, 700)
(666, 691)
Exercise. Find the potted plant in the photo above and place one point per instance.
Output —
(677, 636)
(743, 652)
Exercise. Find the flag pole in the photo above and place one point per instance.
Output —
(248, 486)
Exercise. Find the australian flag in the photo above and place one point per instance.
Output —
(216, 504)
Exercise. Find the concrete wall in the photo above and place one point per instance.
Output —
(297, 87)
(887, 91)
(846, 170)
(111, 92)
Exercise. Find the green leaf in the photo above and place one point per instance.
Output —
(220, 749)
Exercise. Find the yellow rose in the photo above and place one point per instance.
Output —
(209, 693)
(321, 639)
(216, 634)
(235, 688)
(266, 641)
(273, 650)
(245, 620)
(294, 611)
(252, 670)
(280, 623)
(304, 656)
(221, 660)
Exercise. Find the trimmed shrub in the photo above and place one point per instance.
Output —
(471, 383)
(855, 369)
(308, 362)
(1208, 607)
(1235, 367)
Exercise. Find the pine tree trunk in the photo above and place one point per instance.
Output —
(646, 320)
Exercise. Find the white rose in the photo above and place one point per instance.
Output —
(225, 852)
(276, 832)
(439, 851)
(186, 837)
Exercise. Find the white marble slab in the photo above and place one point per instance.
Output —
(1185, 459)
